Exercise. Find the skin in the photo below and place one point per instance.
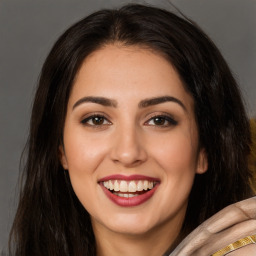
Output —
(129, 140)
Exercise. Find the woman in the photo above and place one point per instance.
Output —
(138, 135)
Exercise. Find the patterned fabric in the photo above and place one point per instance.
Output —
(236, 245)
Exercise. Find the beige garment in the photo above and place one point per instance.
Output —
(225, 227)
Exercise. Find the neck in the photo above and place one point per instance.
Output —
(155, 242)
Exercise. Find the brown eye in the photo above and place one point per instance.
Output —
(159, 121)
(164, 121)
(96, 120)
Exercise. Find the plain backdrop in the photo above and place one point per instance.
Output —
(28, 29)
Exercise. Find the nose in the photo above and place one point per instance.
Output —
(128, 147)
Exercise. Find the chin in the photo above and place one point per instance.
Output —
(132, 230)
(130, 225)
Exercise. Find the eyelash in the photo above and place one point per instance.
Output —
(170, 121)
(162, 118)
(86, 120)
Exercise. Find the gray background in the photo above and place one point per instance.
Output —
(28, 29)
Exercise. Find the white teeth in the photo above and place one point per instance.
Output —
(125, 195)
(133, 195)
(106, 184)
(116, 186)
(128, 186)
(140, 186)
(132, 186)
(111, 186)
(145, 184)
(123, 186)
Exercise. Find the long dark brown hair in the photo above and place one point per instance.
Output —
(50, 220)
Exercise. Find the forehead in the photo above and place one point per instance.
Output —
(117, 70)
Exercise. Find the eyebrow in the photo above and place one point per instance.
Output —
(99, 100)
(143, 104)
(158, 100)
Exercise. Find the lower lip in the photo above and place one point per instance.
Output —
(131, 201)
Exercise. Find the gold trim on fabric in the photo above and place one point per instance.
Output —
(236, 245)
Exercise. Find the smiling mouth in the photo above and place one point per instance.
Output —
(128, 189)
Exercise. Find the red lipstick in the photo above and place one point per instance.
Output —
(129, 199)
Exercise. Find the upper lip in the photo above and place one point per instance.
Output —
(128, 178)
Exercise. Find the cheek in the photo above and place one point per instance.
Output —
(177, 157)
(176, 154)
(83, 154)
(83, 178)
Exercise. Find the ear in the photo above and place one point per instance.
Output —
(202, 163)
(62, 157)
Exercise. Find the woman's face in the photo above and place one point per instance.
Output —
(130, 141)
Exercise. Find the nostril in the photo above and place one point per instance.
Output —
(128, 148)
(128, 163)
(129, 157)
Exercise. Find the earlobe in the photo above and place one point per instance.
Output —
(202, 164)
(62, 157)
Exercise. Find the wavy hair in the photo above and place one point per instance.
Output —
(50, 220)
